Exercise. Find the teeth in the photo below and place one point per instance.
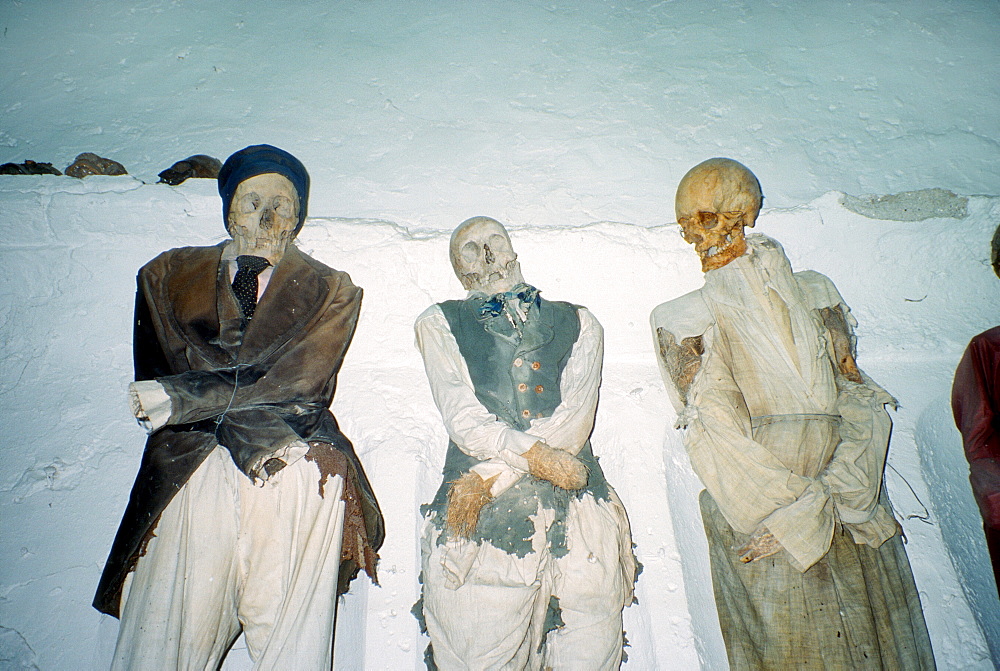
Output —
(715, 249)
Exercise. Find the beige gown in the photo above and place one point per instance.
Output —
(781, 439)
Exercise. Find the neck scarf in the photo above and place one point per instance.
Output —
(513, 304)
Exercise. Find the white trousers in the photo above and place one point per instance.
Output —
(486, 609)
(228, 557)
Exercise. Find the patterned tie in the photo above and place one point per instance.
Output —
(245, 282)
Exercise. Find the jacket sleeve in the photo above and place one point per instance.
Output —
(301, 372)
(975, 416)
(147, 354)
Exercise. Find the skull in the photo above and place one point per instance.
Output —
(715, 200)
(482, 256)
(263, 216)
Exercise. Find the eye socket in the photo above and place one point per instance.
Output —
(733, 217)
(498, 243)
(470, 251)
(248, 203)
(708, 220)
(283, 206)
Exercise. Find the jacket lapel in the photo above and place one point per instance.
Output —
(229, 313)
(294, 294)
(500, 327)
(191, 294)
(538, 329)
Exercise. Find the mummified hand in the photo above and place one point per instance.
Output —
(557, 466)
(843, 348)
(762, 544)
(466, 498)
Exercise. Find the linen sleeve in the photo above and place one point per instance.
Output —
(749, 484)
(571, 423)
(855, 472)
(475, 430)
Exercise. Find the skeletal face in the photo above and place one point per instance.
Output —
(482, 256)
(715, 200)
(263, 216)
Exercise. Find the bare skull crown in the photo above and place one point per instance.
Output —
(715, 200)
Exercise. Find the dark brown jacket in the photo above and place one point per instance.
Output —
(249, 389)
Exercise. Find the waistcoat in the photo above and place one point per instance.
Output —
(516, 376)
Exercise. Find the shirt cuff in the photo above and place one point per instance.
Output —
(504, 474)
(150, 404)
(517, 443)
(805, 527)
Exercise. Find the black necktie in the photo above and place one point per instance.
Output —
(245, 282)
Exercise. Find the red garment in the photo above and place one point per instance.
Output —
(975, 400)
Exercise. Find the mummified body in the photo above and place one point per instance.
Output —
(789, 438)
(249, 501)
(526, 554)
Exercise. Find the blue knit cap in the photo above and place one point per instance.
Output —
(259, 159)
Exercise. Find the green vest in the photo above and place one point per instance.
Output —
(516, 377)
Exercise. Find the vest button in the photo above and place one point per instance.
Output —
(536, 365)
(522, 387)
(518, 362)
(539, 415)
(539, 389)
(526, 413)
